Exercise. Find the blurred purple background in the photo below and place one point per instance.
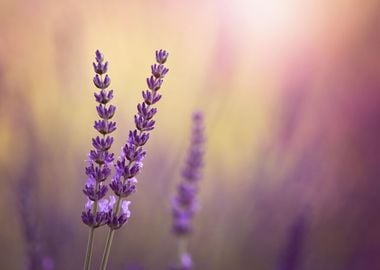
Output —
(291, 93)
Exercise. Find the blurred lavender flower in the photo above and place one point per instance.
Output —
(130, 163)
(100, 159)
(184, 204)
(290, 258)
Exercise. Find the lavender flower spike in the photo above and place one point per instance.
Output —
(184, 204)
(130, 161)
(100, 158)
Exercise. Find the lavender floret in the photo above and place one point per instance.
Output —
(161, 56)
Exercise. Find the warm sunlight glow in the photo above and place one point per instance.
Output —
(270, 18)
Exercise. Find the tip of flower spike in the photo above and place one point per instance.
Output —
(98, 56)
(161, 56)
(197, 115)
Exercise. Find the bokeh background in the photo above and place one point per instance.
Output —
(290, 93)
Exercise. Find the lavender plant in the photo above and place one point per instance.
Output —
(100, 159)
(184, 204)
(115, 212)
(130, 161)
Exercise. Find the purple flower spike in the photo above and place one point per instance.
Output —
(100, 158)
(129, 163)
(184, 204)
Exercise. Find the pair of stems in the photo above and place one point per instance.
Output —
(110, 235)
(107, 249)
(90, 245)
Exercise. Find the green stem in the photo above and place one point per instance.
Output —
(90, 244)
(107, 249)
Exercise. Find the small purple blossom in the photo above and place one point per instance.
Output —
(159, 71)
(100, 67)
(104, 126)
(102, 144)
(101, 83)
(123, 189)
(102, 216)
(161, 56)
(154, 83)
(105, 113)
(103, 96)
(98, 172)
(117, 220)
(93, 193)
